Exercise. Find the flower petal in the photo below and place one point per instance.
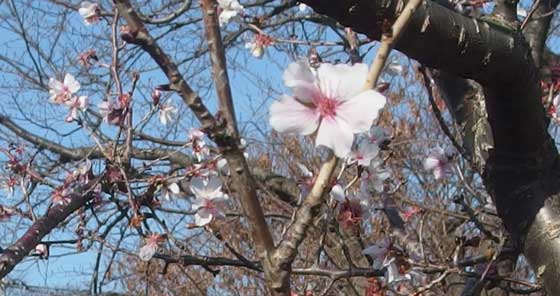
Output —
(360, 111)
(203, 217)
(70, 82)
(335, 134)
(290, 116)
(337, 193)
(342, 81)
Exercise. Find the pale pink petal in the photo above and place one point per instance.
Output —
(73, 114)
(203, 217)
(70, 82)
(342, 81)
(83, 102)
(431, 163)
(147, 252)
(174, 188)
(438, 172)
(301, 80)
(55, 85)
(298, 73)
(197, 203)
(290, 116)
(335, 134)
(360, 111)
(337, 193)
(198, 186)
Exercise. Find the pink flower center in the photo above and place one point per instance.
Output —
(208, 204)
(326, 106)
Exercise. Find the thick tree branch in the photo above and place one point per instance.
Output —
(11, 256)
(520, 173)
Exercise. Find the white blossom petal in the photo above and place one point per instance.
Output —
(290, 116)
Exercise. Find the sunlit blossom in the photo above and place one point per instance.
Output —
(153, 241)
(328, 100)
(169, 190)
(229, 10)
(90, 12)
(209, 199)
(60, 92)
(74, 104)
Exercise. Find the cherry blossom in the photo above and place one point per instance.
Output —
(112, 112)
(378, 252)
(198, 145)
(258, 45)
(328, 100)
(170, 190)
(209, 199)
(81, 172)
(42, 251)
(156, 96)
(377, 135)
(438, 162)
(61, 195)
(60, 92)
(364, 154)
(230, 9)
(195, 134)
(373, 179)
(165, 112)
(90, 12)
(76, 103)
(153, 241)
(393, 275)
(353, 207)
(86, 57)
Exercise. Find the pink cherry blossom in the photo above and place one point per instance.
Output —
(198, 145)
(209, 199)
(195, 134)
(60, 92)
(229, 10)
(328, 100)
(153, 241)
(90, 12)
(75, 104)
(438, 162)
(378, 252)
(352, 208)
(42, 251)
(112, 112)
(259, 45)
(170, 190)
(377, 135)
(85, 58)
(364, 154)
(372, 180)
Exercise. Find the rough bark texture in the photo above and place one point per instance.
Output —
(521, 170)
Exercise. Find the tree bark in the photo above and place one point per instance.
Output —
(521, 170)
